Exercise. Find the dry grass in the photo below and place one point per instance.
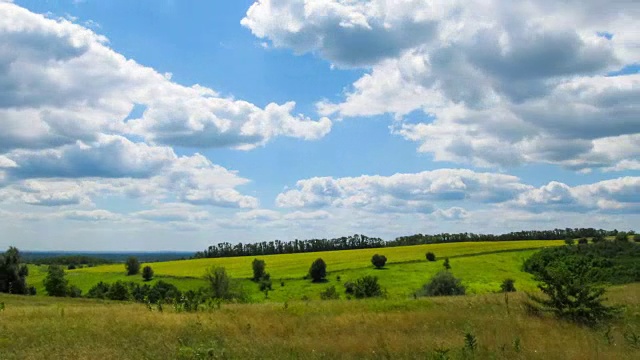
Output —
(40, 328)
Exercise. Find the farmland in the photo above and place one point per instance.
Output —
(481, 266)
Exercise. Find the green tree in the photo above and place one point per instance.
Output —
(571, 295)
(318, 270)
(431, 256)
(569, 241)
(118, 291)
(258, 269)
(442, 284)
(508, 285)
(622, 236)
(378, 261)
(55, 282)
(132, 265)
(222, 286)
(446, 264)
(329, 293)
(367, 286)
(13, 274)
(147, 273)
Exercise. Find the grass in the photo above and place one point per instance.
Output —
(42, 327)
(482, 267)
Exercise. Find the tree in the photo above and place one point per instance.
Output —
(636, 238)
(446, 264)
(571, 295)
(442, 284)
(147, 273)
(318, 270)
(508, 285)
(258, 269)
(583, 241)
(12, 273)
(222, 285)
(132, 265)
(431, 256)
(55, 283)
(622, 236)
(118, 291)
(378, 261)
(366, 287)
(569, 241)
(597, 239)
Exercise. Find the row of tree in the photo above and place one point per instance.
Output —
(357, 241)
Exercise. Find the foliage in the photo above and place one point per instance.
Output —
(318, 270)
(569, 241)
(118, 291)
(367, 286)
(222, 286)
(583, 241)
(55, 283)
(12, 273)
(98, 291)
(258, 267)
(330, 293)
(431, 256)
(508, 285)
(636, 238)
(622, 236)
(446, 264)
(615, 262)
(74, 292)
(69, 260)
(571, 294)
(132, 265)
(147, 273)
(442, 284)
(378, 261)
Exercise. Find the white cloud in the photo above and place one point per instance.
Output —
(499, 83)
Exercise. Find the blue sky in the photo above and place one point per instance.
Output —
(408, 118)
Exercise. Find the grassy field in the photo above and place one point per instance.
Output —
(482, 267)
(51, 328)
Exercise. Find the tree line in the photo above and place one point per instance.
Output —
(358, 241)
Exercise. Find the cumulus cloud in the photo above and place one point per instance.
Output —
(499, 83)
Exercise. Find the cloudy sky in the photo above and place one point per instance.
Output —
(172, 125)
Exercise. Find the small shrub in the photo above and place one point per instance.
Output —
(622, 236)
(367, 286)
(329, 293)
(431, 256)
(338, 278)
(583, 241)
(282, 283)
(636, 238)
(98, 291)
(318, 270)
(446, 264)
(470, 342)
(147, 273)
(258, 269)
(349, 287)
(508, 285)
(442, 284)
(132, 266)
(74, 292)
(569, 241)
(597, 239)
(378, 261)
(71, 267)
(118, 291)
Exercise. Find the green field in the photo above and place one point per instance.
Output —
(481, 265)
(63, 328)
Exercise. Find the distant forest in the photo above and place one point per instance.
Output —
(357, 241)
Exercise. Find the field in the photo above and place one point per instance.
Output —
(54, 328)
(481, 265)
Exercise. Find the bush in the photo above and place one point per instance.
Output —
(636, 238)
(366, 287)
(378, 261)
(431, 256)
(74, 292)
(622, 236)
(98, 291)
(508, 285)
(349, 287)
(147, 273)
(569, 241)
(446, 264)
(583, 241)
(442, 284)
(571, 295)
(71, 267)
(55, 283)
(329, 293)
(597, 239)
(222, 285)
(318, 270)
(258, 269)
(118, 291)
(132, 265)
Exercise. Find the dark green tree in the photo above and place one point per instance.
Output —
(132, 265)
(378, 261)
(622, 236)
(442, 284)
(508, 285)
(318, 270)
(118, 291)
(12, 273)
(569, 241)
(258, 269)
(55, 282)
(147, 273)
(431, 256)
(367, 286)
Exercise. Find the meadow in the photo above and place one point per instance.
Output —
(424, 328)
(481, 265)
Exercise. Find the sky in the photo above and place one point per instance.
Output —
(174, 125)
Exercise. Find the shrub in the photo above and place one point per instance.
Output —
(71, 267)
(258, 269)
(74, 292)
(569, 241)
(636, 238)
(222, 286)
(431, 256)
(583, 241)
(378, 261)
(571, 295)
(118, 291)
(597, 239)
(366, 287)
(55, 283)
(622, 236)
(132, 265)
(508, 285)
(349, 287)
(147, 273)
(442, 284)
(446, 264)
(13, 274)
(98, 291)
(318, 270)
(329, 293)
